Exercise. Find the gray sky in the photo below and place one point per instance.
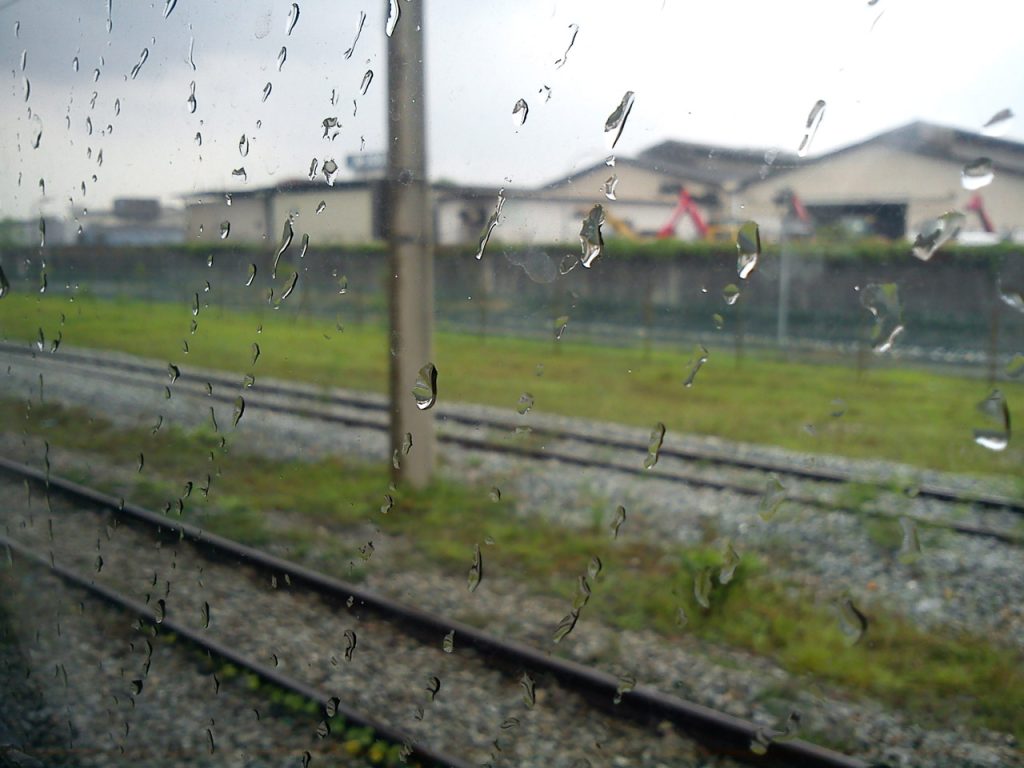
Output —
(732, 72)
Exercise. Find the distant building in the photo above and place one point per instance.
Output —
(132, 221)
(887, 186)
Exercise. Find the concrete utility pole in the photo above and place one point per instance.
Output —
(411, 276)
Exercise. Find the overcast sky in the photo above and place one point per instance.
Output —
(730, 72)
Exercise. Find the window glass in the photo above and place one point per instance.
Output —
(348, 350)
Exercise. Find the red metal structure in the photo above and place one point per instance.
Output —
(684, 206)
(976, 205)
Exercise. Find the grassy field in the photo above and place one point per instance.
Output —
(942, 679)
(910, 416)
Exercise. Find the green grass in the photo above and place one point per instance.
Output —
(910, 416)
(941, 678)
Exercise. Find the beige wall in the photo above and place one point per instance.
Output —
(347, 219)
(246, 216)
(635, 183)
(928, 186)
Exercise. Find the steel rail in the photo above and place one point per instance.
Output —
(419, 752)
(718, 731)
(819, 474)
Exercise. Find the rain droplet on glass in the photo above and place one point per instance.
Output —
(936, 233)
(617, 120)
(519, 112)
(748, 248)
(977, 174)
(425, 388)
(393, 13)
(654, 445)
(772, 498)
(476, 570)
(996, 409)
(591, 240)
(698, 359)
(811, 128)
(492, 222)
(882, 300)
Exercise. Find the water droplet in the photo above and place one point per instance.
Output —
(492, 222)
(238, 410)
(239, 172)
(702, 585)
(566, 625)
(681, 618)
(520, 111)
(998, 124)
(359, 30)
(321, 207)
(718, 320)
(617, 120)
(748, 248)
(529, 690)
(448, 644)
(255, 352)
(591, 241)
(289, 286)
(852, 622)
(772, 498)
(936, 233)
(627, 683)
(42, 232)
(26, 88)
(811, 128)
(331, 707)
(330, 170)
(173, 372)
(910, 548)
(561, 322)
(730, 559)
(266, 91)
(74, 64)
(425, 388)
(476, 570)
(142, 60)
(609, 186)
(365, 84)
(618, 520)
(1011, 297)
(495, 493)
(700, 357)
(731, 294)
(654, 445)
(160, 611)
(575, 28)
(594, 567)
(525, 403)
(407, 443)
(282, 56)
(293, 18)
(995, 408)
(142, 462)
(433, 687)
(252, 275)
(393, 13)
(225, 230)
(977, 173)
(169, 7)
(882, 300)
(350, 644)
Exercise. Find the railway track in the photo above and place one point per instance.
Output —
(371, 413)
(718, 732)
